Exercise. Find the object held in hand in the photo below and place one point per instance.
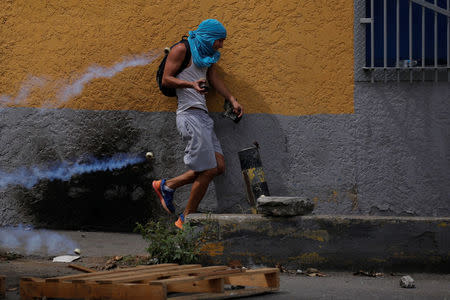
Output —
(204, 85)
(229, 112)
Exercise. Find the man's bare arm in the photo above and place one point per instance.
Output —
(173, 63)
(217, 82)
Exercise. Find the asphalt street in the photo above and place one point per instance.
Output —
(97, 247)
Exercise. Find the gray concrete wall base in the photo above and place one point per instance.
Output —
(331, 242)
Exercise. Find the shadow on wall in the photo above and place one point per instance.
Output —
(230, 187)
(106, 135)
(238, 87)
(103, 200)
(106, 200)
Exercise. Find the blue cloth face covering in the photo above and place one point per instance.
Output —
(202, 41)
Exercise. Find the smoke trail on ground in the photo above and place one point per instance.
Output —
(67, 92)
(64, 170)
(21, 238)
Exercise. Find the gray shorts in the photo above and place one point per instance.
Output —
(197, 129)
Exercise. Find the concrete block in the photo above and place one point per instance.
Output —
(284, 206)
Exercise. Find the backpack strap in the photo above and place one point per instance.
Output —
(187, 57)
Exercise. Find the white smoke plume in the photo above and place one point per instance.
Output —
(64, 170)
(95, 72)
(68, 91)
(21, 238)
(31, 83)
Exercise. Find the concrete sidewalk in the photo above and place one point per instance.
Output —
(94, 244)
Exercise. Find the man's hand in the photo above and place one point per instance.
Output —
(197, 86)
(237, 107)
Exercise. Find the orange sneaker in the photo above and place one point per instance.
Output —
(179, 223)
(165, 197)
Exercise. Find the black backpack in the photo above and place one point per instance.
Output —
(170, 92)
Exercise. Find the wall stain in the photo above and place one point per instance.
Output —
(333, 196)
(213, 249)
(353, 195)
(308, 258)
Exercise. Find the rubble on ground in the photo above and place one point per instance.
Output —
(407, 282)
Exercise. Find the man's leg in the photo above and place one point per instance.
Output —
(201, 183)
(183, 179)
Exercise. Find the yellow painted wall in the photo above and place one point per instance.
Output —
(291, 57)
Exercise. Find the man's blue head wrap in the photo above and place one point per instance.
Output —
(202, 40)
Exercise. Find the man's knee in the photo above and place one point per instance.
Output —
(220, 169)
(215, 171)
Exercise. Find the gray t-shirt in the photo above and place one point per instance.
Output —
(189, 97)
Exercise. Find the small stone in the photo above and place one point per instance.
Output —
(284, 206)
(407, 282)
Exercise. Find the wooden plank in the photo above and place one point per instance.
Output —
(228, 294)
(127, 291)
(30, 289)
(2, 287)
(81, 268)
(266, 277)
(202, 283)
(203, 286)
(69, 277)
(147, 277)
(210, 269)
(204, 271)
(109, 278)
(217, 272)
(215, 285)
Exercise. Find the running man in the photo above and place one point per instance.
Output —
(203, 153)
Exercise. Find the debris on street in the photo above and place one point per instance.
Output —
(281, 268)
(81, 268)
(10, 255)
(66, 258)
(235, 264)
(112, 262)
(313, 272)
(369, 274)
(407, 282)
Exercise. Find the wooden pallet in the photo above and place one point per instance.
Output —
(2, 287)
(155, 282)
